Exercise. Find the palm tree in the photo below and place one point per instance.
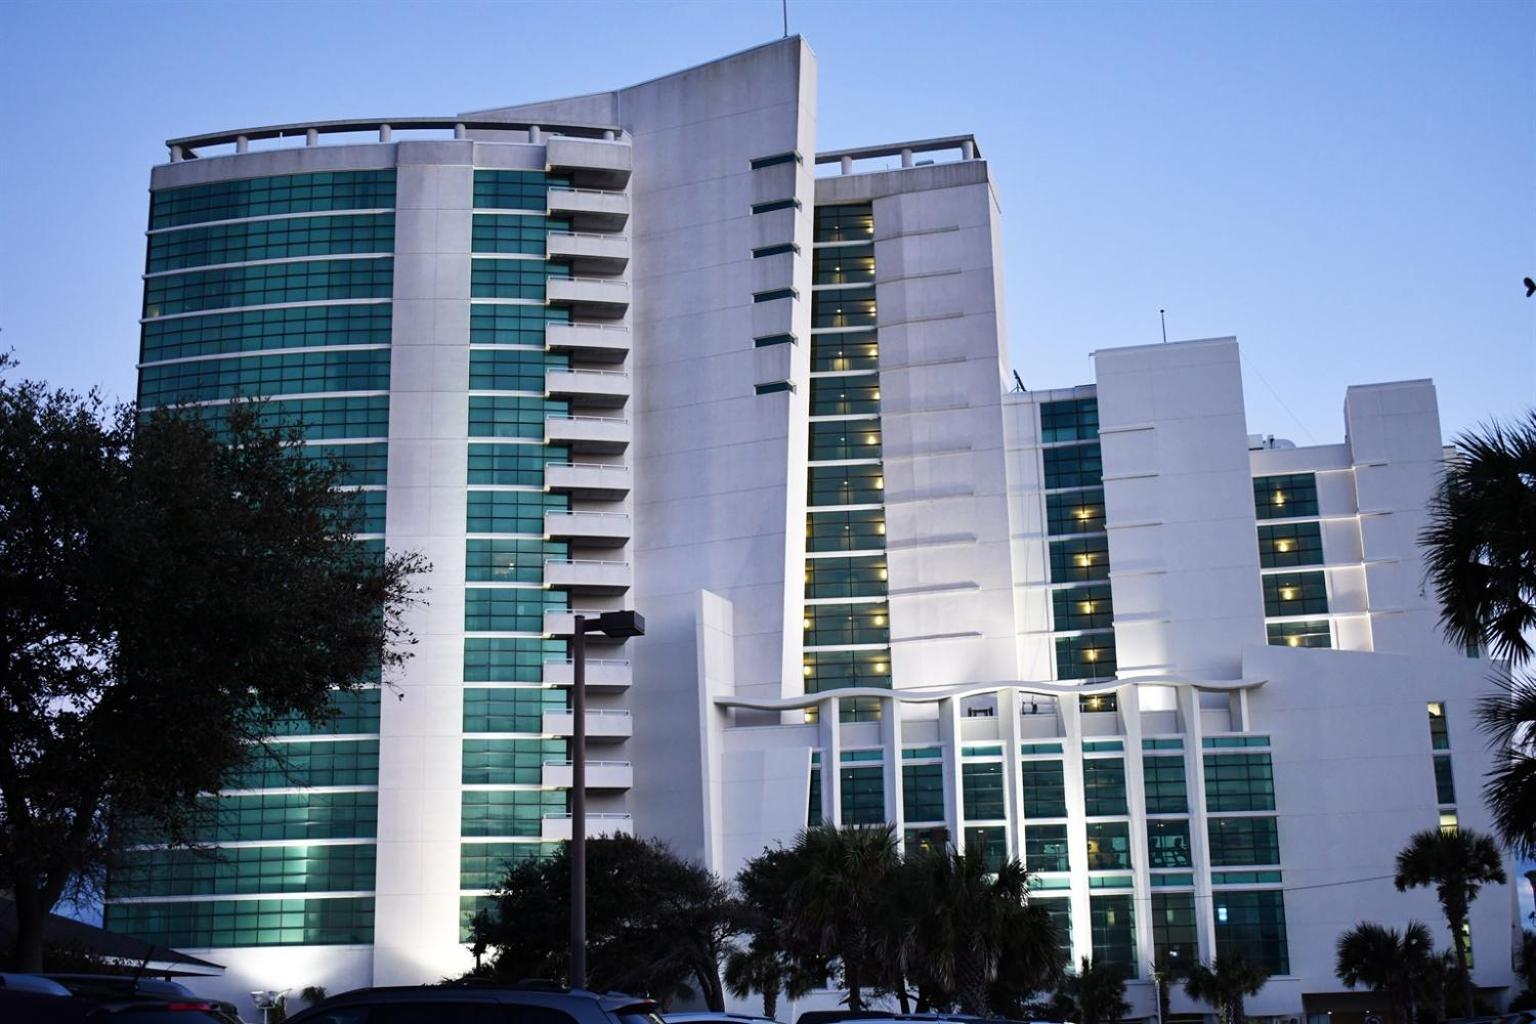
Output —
(1480, 539)
(756, 969)
(1509, 719)
(1457, 863)
(1224, 984)
(834, 902)
(1379, 958)
(1095, 994)
(764, 884)
(973, 918)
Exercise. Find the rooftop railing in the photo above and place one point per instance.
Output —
(187, 147)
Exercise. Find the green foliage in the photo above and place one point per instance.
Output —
(657, 925)
(1095, 994)
(1457, 864)
(1395, 965)
(1224, 984)
(1508, 717)
(157, 580)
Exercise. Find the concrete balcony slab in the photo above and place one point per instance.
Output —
(605, 435)
(588, 576)
(596, 480)
(593, 529)
(590, 296)
(557, 827)
(590, 252)
(600, 774)
(602, 673)
(604, 343)
(608, 389)
(602, 726)
(597, 162)
(590, 208)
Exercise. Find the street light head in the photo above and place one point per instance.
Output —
(618, 624)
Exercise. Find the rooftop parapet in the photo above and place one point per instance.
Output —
(188, 147)
(952, 148)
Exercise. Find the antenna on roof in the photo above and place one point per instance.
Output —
(1162, 315)
(786, 18)
(1018, 382)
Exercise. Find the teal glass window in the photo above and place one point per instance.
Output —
(497, 659)
(845, 396)
(990, 843)
(846, 485)
(359, 465)
(240, 870)
(1079, 511)
(775, 294)
(1089, 656)
(922, 792)
(983, 788)
(514, 233)
(845, 439)
(509, 812)
(507, 609)
(268, 816)
(1073, 465)
(830, 625)
(844, 222)
(271, 240)
(1241, 842)
(1172, 881)
(269, 283)
(863, 792)
(1104, 786)
(502, 762)
(1083, 608)
(519, 709)
(851, 350)
(925, 840)
(1252, 924)
(499, 323)
(844, 264)
(224, 923)
(1045, 848)
(1075, 419)
(1079, 559)
(839, 670)
(1113, 925)
(512, 417)
(856, 576)
(511, 511)
(314, 418)
(253, 330)
(513, 464)
(265, 197)
(512, 279)
(356, 711)
(512, 369)
(1173, 928)
(1439, 727)
(1167, 792)
(293, 373)
(510, 561)
(1289, 496)
(775, 205)
(516, 190)
(1445, 782)
(1295, 593)
(486, 865)
(1310, 633)
(1286, 544)
(1163, 743)
(1095, 703)
(1239, 782)
(1109, 846)
(843, 307)
(304, 763)
(1168, 844)
(1240, 740)
(1045, 789)
(1061, 918)
(813, 800)
(852, 530)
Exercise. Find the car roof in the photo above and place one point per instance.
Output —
(529, 995)
(32, 983)
(694, 1017)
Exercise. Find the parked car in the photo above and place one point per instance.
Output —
(711, 1017)
(479, 1004)
(122, 989)
(35, 999)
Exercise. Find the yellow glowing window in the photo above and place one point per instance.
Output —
(1086, 607)
(1282, 545)
(1287, 593)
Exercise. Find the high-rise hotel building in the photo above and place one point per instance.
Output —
(652, 349)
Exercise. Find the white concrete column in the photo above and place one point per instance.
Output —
(906, 158)
(949, 735)
(890, 739)
(384, 133)
(242, 144)
(1077, 826)
(1199, 850)
(459, 132)
(176, 155)
(312, 137)
(847, 165)
(535, 134)
(968, 149)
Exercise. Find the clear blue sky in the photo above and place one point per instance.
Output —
(1348, 188)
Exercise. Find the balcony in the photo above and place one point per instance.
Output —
(590, 296)
(594, 529)
(598, 343)
(600, 774)
(596, 480)
(596, 161)
(557, 827)
(587, 576)
(590, 208)
(602, 726)
(603, 388)
(591, 253)
(602, 673)
(597, 435)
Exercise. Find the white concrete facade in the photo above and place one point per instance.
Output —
(1043, 607)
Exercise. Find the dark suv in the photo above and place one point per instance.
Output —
(477, 1004)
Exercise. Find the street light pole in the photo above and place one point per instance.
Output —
(579, 804)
